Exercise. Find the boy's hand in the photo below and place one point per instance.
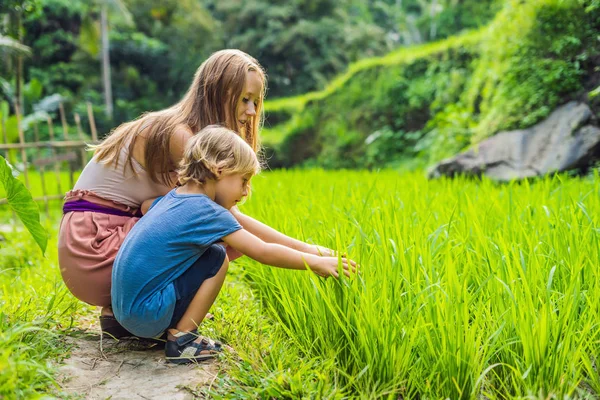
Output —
(328, 266)
(324, 251)
(321, 251)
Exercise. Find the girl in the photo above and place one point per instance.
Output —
(169, 270)
(136, 163)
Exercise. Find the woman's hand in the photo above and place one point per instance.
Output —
(328, 266)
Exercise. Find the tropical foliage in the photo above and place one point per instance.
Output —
(155, 46)
(417, 105)
(20, 201)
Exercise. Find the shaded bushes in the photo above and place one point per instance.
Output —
(428, 102)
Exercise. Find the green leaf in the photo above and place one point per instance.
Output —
(89, 36)
(33, 90)
(594, 93)
(4, 109)
(13, 46)
(20, 200)
(12, 131)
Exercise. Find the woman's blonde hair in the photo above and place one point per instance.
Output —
(211, 99)
(216, 151)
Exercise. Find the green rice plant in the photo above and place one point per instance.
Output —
(265, 362)
(467, 288)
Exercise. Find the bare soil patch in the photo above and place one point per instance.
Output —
(110, 369)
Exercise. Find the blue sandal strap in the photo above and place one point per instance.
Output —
(185, 339)
(202, 346)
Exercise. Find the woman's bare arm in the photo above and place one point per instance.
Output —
(146, 205)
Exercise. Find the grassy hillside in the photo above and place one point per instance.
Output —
(418, 105)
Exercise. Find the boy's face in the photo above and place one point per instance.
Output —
(231, 189)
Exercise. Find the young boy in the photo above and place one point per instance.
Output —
(169, 270)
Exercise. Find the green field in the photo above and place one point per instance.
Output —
(468, 289)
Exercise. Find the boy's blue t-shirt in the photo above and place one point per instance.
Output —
(162, 245)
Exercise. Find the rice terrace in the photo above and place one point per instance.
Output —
(451, 149)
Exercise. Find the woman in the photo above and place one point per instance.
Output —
(136, 163)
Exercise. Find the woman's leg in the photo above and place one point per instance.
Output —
(107, 312)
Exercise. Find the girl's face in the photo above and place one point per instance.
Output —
(231, 189)
(248, 101)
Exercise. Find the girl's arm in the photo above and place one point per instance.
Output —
(284, 257)
(270, 235)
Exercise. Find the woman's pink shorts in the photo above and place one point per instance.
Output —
(88, 243)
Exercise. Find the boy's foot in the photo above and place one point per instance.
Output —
(187, 347)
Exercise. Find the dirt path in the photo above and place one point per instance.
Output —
(128, 370)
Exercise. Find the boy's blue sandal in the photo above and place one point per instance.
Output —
(184, 349)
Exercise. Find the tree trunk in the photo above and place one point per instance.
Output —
(108, 103)
(19, 76)
(433, 26)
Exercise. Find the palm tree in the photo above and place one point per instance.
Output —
(114, 6)
(13, 12)
(109, 9)
(10, 46)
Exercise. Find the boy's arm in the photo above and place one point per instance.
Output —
(270, 235)
(284, 257)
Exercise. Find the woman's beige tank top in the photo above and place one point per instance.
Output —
(121, 184)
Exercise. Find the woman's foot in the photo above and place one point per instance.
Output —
(108, 312)
(113, 329)
(187, 347)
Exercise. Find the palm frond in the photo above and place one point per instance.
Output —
(10, 45)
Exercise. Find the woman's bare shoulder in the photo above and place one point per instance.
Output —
(181, 134)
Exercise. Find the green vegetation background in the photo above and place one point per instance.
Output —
(409, 107)
(156, 45)
(496, 283)
(418, 105)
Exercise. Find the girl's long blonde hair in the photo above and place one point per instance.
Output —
(216, 151)
(211, 99)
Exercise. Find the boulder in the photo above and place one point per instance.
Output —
(567, 139)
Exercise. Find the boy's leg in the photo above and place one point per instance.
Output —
(202, 301)
(196, 291)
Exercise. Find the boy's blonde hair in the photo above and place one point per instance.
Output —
(216, 151)
(211, 99)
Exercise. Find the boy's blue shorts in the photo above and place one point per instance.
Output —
(186, 286)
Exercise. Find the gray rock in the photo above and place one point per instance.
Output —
(566, 140)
